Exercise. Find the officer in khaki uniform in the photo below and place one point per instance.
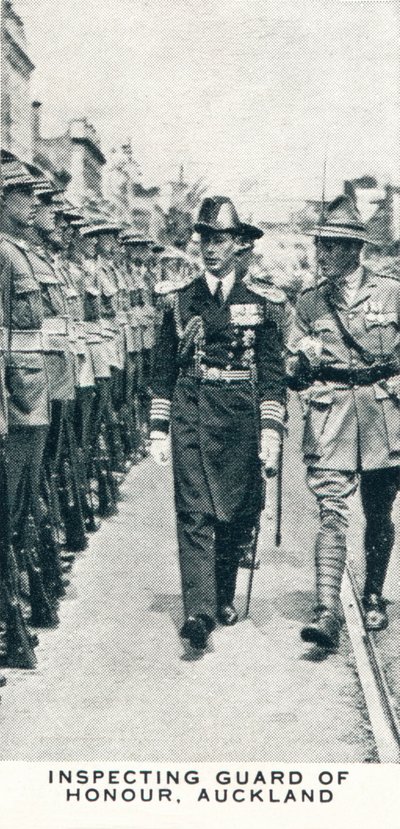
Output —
(218, 376)
(343, 356)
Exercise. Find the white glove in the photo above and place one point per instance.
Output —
(311, 347)
(270, 448)
(160, 448)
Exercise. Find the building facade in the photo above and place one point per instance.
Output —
(16, 69)
(74, 159)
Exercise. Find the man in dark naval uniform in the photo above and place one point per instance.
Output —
(218, 377)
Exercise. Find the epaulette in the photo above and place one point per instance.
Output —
(167, 286)
(18, 243)
(265, 289)
(314, 287)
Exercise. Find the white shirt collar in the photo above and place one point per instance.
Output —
(227, 283)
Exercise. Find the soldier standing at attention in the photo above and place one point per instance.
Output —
(344, 356)
(27, 382)
(218, 376)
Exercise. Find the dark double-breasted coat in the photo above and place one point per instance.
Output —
(215, 422)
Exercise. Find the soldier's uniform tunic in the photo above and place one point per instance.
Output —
(352, 409)
(216, 385)
(27, 381)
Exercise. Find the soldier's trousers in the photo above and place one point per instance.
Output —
(209, 553)
(378, 489)
(25, 448)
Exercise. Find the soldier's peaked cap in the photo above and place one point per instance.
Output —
(341, 220)
(218, 213)
(14, 173)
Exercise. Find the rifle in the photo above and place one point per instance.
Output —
(19, 643)
(74, 523)
(43, 611)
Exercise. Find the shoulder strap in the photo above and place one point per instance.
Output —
(348, 338)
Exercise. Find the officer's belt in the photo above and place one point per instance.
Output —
(212, 374)
(356, 376)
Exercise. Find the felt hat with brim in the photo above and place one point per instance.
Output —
(43, 185)
(249, 233)
(218, 214)
(14, 173)
(133, 237)
(100, 229)
(175, 253)
(71, 212)
(341, 220)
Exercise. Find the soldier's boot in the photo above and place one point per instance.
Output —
(379, 541)
(43, 607)
(330, 560)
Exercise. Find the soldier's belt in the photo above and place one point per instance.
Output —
(356, 376)
(55, 334)
(3, 339)
(80, 329)
(212, 374)
(122, 317)
(93, 332)
(108, 329)
(28, 341)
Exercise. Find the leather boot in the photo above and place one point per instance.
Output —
(324, 629)
(375, 613)
(330, 559)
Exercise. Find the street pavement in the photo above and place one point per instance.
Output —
(114, 680)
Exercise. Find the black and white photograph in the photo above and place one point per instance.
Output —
(199, 412)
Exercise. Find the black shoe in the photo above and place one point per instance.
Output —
(197, 631)
(246, 561)
(227, 614)
(324, 629)
(375, 614)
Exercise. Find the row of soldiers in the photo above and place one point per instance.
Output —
(77, 337)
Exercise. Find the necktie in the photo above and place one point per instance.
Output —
(219, 294)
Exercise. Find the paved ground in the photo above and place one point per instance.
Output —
(115, 682)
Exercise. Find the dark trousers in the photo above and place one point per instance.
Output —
(25, 448)
(378, 490)
(209, 553)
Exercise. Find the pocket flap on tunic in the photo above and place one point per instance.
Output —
(321, 396)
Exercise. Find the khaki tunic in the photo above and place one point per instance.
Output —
(351, 427)
(27, 381)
